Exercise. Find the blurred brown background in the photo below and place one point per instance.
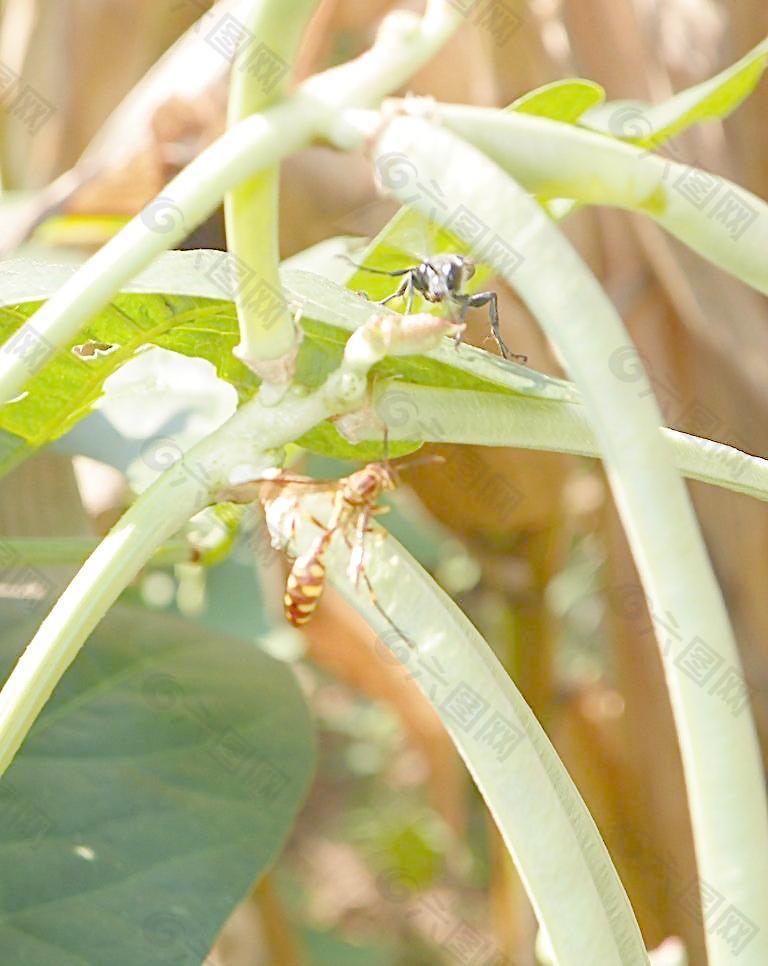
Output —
(558, 596)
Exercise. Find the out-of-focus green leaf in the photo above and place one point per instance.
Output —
(330, 949)
(562, 100)
(159, 782)
(649, 125)
(82, 230)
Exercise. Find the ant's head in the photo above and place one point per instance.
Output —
(457, 269)
(468, 267)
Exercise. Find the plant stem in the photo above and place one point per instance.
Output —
(580, 902)
(251, 208)
(555, 160)
(426, 413)
(164, 223)
(404, 43)
(38, 551)
(718, 743)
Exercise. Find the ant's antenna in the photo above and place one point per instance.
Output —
(374, 271)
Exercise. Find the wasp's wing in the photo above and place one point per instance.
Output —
(242, 492)
(269, 488)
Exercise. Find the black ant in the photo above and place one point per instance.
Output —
(441, 279)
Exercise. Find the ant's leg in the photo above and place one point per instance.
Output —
(463, 303)
(402, 289)
(490, 299)
(409, 303)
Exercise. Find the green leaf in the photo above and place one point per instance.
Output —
(330, 949)
(649, 125)
(66, 388)
(326, 439)
(177, 304)
(160, 781)
(562, 100)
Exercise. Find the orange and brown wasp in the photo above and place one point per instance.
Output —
(355, 503)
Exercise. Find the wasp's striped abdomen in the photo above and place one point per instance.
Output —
(306, 582)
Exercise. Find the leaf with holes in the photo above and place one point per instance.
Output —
(178, 304)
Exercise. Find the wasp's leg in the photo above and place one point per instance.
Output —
(489, 298)
(311, 518)
(382, 612)
(357, 558)
(357, 571)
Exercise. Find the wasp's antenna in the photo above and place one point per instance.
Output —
(378, 419)
(421, 461)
